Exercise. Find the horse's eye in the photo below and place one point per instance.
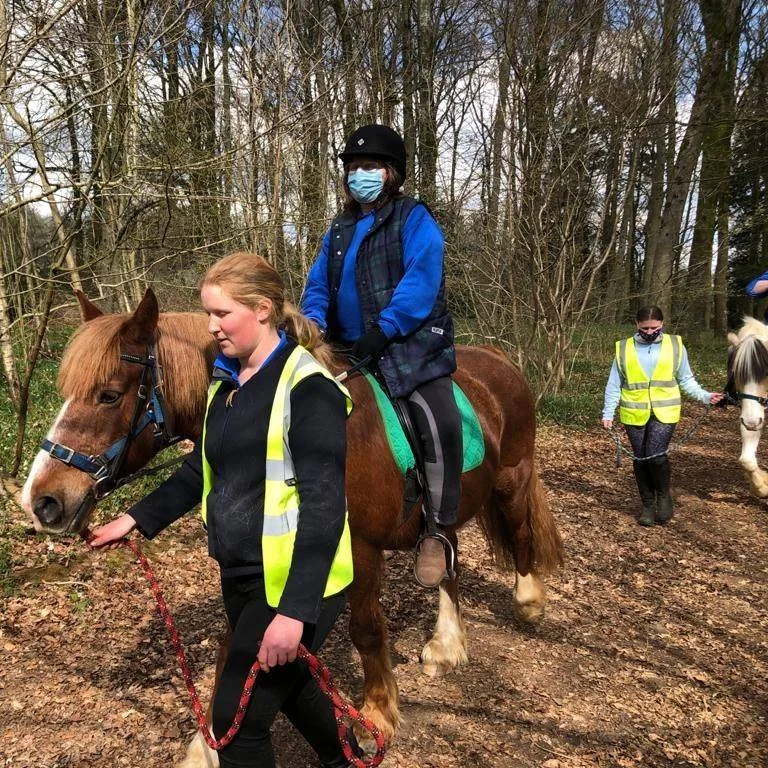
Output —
(109, 396)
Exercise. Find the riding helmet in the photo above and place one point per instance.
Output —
(378, 141)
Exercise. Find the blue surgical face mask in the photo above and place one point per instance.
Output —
(365, 186)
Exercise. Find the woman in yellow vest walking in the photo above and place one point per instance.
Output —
(648, 372)
(269, 471)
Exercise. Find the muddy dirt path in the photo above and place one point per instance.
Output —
(654, 650)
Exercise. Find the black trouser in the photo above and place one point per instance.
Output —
(290, 688)
(438, 424)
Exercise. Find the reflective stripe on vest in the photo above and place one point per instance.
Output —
(281, 498)
(641, 396)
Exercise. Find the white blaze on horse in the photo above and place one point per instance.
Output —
(121, 410)
(748, 379)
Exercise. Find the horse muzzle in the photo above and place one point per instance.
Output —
(49, 510)
(49, 514)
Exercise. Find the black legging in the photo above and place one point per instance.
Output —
(290, 688)
(438, 422)
(651, 438)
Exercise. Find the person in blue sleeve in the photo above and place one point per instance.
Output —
(378, 287)
(757, 289)
(648, 372)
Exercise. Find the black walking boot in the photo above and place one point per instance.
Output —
(645, 485)
(661, 480)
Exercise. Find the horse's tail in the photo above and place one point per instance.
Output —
(547, 544)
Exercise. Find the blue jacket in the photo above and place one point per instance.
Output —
(750, 289)
(386, 269)
(414, 296)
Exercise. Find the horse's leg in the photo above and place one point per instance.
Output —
(369, 635)
(758, 479)
(517, 490)
(199, 754)
(447, 648)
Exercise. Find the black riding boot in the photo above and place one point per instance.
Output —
(661, 480)
(645, 485)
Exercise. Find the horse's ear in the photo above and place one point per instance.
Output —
(88, 310)
(142, 324)
(733, 338)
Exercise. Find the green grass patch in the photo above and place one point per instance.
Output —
(6, 564)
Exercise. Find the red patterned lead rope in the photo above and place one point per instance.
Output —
(319, 671)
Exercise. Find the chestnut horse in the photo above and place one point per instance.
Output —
(748, 379)
(105, 366)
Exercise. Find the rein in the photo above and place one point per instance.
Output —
(105, 467)
(616, 437)
(317, 669)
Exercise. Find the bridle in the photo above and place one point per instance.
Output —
(104, 468)
(745, 396)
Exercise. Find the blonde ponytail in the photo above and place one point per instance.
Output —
(307, 334)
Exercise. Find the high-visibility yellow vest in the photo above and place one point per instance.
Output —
(641, 396)
(281, 499)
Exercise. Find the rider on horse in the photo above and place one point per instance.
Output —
(378, 287)
(757, 288)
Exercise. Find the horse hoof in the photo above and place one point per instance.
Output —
(199, 755)
(387, 727)
(437, 660)
(530, 613)
(433, 670)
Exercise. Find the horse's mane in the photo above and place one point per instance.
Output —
(92, 358)
(748, 359)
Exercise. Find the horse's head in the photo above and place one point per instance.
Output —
(748, 371)
(115, 416)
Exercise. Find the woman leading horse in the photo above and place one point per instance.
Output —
(102, 376)
(269, 472)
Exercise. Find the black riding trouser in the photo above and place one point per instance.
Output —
(438, 423)
(289, 689)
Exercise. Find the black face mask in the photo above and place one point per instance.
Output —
(649, 336)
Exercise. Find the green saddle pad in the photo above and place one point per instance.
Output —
(471, 432)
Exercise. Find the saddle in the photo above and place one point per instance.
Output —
(402, 438)
(406, 450)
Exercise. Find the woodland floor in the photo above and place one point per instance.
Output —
(653, 652)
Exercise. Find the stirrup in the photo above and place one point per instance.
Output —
(450, 559)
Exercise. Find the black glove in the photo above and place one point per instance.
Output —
(370, 345)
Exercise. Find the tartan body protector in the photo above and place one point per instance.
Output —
(281, 498)
(425, 354)
(641, 396)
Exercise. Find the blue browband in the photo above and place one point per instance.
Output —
(105, 467)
